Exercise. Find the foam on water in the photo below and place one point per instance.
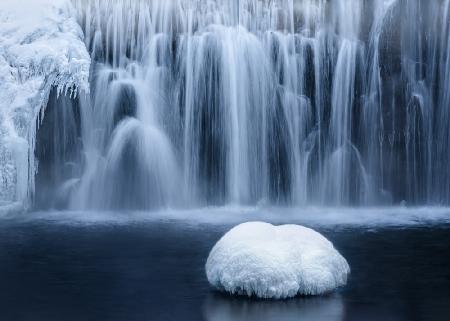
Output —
(397, 217)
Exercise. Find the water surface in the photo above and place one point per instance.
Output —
(135, 269)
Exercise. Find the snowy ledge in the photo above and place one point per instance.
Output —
(41, 46)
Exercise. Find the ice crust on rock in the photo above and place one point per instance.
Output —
(278, 262)
(41, 46)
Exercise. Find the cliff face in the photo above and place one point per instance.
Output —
(41, 47)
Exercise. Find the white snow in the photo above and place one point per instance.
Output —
(41, 45)
(275, 262)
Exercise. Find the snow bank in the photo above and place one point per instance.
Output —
(41, 45)
(275, 262)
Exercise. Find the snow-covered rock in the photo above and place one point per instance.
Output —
(41, 46)
(275, 262)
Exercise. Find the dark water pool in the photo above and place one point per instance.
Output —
(154, 271)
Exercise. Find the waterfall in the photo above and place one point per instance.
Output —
(290, 102)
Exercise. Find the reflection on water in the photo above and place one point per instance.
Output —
(221, 307)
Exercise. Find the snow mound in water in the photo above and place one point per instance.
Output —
(275, 262)
(41, 46)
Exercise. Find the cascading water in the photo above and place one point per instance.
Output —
(298, 102)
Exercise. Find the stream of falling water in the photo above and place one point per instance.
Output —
(298, 102)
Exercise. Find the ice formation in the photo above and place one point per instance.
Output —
(41, 46)
(267, 261)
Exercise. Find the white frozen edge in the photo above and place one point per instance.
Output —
(41, 46)
(310, 216)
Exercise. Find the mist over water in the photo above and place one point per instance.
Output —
(247, 102)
